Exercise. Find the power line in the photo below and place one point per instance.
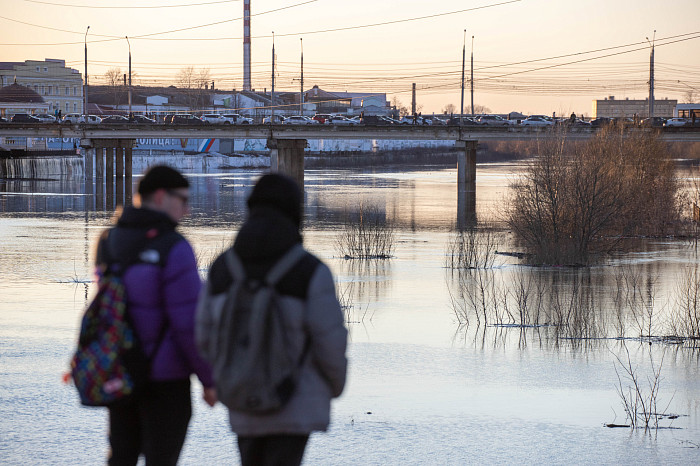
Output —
(144, 36)
(131, 7)
(347, 28)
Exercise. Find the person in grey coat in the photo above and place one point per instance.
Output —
(312, 317)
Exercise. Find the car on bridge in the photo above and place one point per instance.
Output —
(115, 120)
(463, 121)
(341, 120)
(25, 118)
(77, 118)
(214, 119)
(537, 120)
(142, 120)
(236, 119)
(494, 120)
(676, 122)
(601, 121)
(45, 117)
(299, 120)
(378, 120)
(182, 119)
(322, 117)
(278, 120)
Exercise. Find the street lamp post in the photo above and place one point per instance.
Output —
(129, 43)
(85, 84)
(301, 93)
(272, 94)
(464, 54)
(651, 76)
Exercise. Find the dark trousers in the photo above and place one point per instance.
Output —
(272, 450)
(154, 424)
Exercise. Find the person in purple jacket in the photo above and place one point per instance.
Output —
(161, 301)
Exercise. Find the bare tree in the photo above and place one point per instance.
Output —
(575, 201)
(400, 108)
(113, 78)
(194, 83)
(449, 109)
(689, 96)
(479, 109)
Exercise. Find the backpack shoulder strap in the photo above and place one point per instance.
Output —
(284, 264)
(234, 264)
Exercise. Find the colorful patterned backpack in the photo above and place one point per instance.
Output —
(109, 364)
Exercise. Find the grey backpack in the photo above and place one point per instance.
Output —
(242, 334)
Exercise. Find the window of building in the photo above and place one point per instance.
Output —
(37, 68)
(49, 92)
(75, 107)
(67, 107)
(46, 70)
(75, 90)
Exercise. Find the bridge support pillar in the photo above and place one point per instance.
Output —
(466, 183)
(108, 155)
(287, 157)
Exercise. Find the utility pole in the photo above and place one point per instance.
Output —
(85, 85)
(471, 80)
(301, 93)
(464, 55)
(127, 41)
(413, 100)
(651, 76)
(272, 93)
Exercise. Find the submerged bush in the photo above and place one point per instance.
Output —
(366, 234)
(473, 249)
(576, 200)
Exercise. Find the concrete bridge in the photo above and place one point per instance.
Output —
(109, 147)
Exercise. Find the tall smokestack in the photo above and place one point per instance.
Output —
(246, 46)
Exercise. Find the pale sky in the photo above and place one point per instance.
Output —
(341, 54)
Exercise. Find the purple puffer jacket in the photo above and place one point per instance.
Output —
(163, 296)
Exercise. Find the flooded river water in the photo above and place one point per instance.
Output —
(434, 378)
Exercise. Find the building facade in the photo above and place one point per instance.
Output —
(611, 107)
(59, 86)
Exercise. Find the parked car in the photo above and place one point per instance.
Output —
(236, 119)
(92, 120)
(72, 118)
(463, 121)
(299, 120)
(143, 120)
(214, 119)
(494, 120)
(45, 118)
(115, 120)
(654, 122)
(278, 120)
(3, 119)
(341, 120)
(438, 121)
(601, 121)
(76, 118)
(408, 120)
(184, 119)
(378, 120)
(537, 120)
(676, 122)
(321, 117)
(24, 118)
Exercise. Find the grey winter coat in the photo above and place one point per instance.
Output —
(311, 310)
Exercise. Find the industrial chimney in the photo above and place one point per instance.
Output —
(246, 46)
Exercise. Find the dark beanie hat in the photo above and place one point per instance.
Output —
(279, 192)
(161, 177)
